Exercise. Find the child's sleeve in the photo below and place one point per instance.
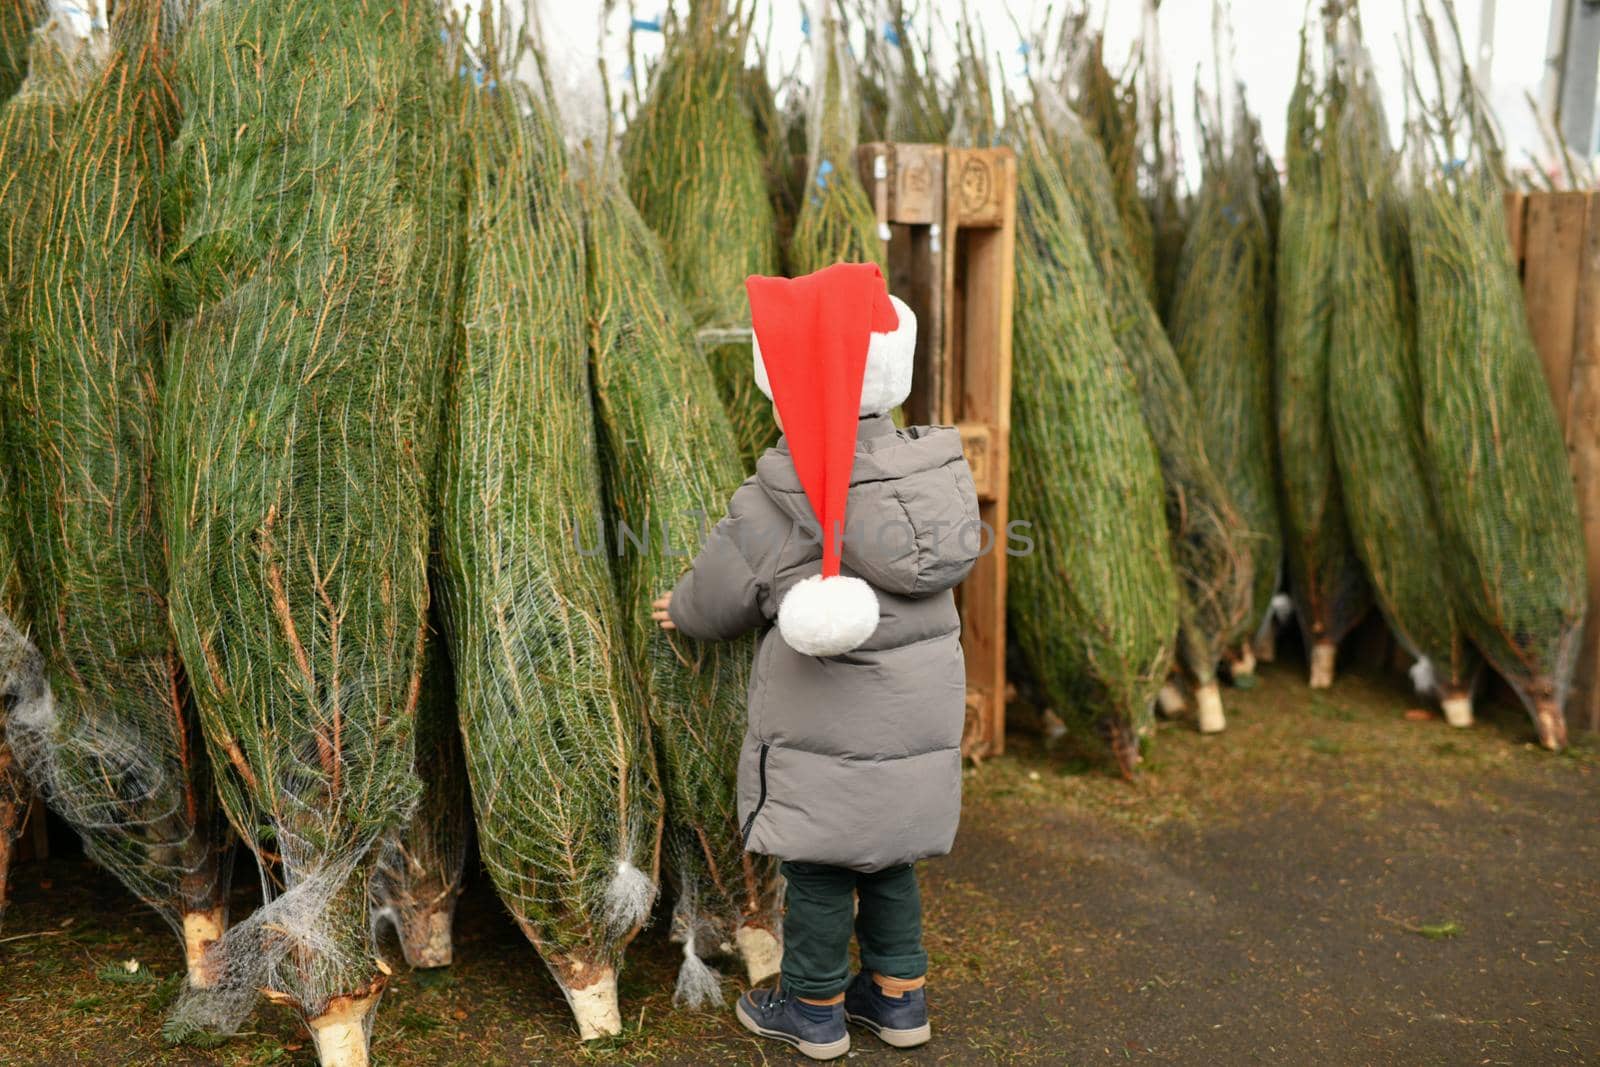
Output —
(719, 598)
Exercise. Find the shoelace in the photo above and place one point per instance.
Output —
(775, 1002)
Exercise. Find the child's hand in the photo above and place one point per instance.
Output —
(658, 612)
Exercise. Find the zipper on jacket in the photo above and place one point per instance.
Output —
(761, 799)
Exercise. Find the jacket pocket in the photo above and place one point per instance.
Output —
(761, 797)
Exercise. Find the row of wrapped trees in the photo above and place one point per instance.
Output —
(1422, 466)
(1348, 409)
(353, 417)
(1508, 526)
(382, 298)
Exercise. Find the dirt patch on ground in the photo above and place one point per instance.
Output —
(1327, 882)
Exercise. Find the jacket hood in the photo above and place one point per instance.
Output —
(911, 520)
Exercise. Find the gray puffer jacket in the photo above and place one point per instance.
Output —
(849, 760)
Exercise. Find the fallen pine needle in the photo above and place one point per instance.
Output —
(36, 933)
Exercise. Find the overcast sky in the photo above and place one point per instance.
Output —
(1267, 36)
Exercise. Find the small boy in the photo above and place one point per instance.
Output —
(851, 766)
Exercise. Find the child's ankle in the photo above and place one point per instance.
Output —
(896, 988)
(819, 1009)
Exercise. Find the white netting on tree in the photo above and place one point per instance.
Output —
(1209, 540)
(1162, 183)
(705, 178)
(421, 864)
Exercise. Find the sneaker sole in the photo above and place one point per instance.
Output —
(831, 1051)
(917, 1035)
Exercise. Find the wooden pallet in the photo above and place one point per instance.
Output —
(949, 217)
(1555, 239)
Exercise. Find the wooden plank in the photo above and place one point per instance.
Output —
(1516, 213)
(1583, 446)
(955, 337)
(980, 218)
(952, 220)
(983, 631)
(917, 200)
(1004, 262)
(1554, 236)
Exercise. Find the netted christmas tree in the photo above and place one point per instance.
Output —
(694, 166)
(1374, 404)
(34, 114)
(1326, 579)
(1210, 548)
(297, 511)
(1221, 327)
(1094, 607)
(671, 467)
(18, 656)
(558, 751)
(1512, 543)
(422, 867)
(836, 223)
(105, 731)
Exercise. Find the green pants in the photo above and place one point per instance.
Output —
(819, 903)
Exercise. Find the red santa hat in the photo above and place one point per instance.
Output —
(829, 347)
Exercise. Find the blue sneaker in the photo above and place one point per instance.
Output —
(817, 1031)
(899, 1021)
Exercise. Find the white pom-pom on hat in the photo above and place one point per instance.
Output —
(890, 360)
(828, 616)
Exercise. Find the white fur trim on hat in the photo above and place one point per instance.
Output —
(828, 616)
(890, 357)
